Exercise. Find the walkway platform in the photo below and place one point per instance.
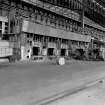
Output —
(32, 83)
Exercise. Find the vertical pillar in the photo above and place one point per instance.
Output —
(82, 16)
(58, 46)
(9, 29)
(3, 27)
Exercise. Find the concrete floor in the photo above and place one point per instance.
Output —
(32, 83)
(93, 95)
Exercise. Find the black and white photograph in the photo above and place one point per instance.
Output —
(52, 52)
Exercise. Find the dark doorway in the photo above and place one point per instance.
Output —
(50, 51)
(79, 54)
(36, 51)
(63, 52)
